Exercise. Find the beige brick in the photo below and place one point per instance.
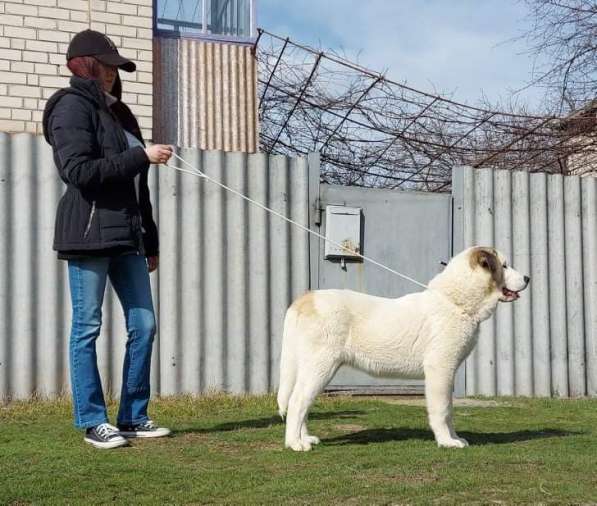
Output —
(11, 20)
(3, 90)
(45, 3)
(19, 31)
(37, 115)
(82, 16)
(46, 23)
(50, 12)
(21, 9)
(13, 77)
(72, 26)
(53, 35)
(129, 31)
(17, 43)
(129, 98)
(121, 8)
(139, 21)
(147, 134)
(11, 101)
(142, 110)
(57, 59)
(63, 70)
(77, 5)
(144, 66)
(131, 87)
(144, 121)
(5, 64)
(98, 27)
(33, 80)
(31, 127)
(98, 5)
(24, 91)
(34, 56)
(137, 43)
(146, 12)
(145, 77)
(30, 103)
(42, 68)
(22, 66)
(38, 45)
(4, 43)
(106, 17)
(10, 54)
(5, 113)
(144, 33)
(145, 56)
(1, 7)
(147, 3)
(128, 53)
(145, 99)
(53, 81)
(62, 48)
(23, 114)
(117, 39)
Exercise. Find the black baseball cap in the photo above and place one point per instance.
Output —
(98, 45)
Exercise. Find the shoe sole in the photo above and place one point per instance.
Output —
(162, 433)
(106, 446)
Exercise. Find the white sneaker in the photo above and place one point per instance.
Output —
(104, 436)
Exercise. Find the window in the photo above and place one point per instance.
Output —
(231, 20)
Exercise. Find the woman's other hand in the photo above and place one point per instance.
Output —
(159, 153)
(152, 263)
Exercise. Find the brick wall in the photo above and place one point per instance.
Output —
(34, 36)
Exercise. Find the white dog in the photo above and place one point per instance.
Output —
(421, 335)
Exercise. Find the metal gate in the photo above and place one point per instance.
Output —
(408, 231)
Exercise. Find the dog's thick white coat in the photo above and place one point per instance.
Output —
(421, 335)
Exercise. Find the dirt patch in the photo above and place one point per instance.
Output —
(349, 427)
(420, 401)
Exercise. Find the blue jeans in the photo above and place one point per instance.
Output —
(130, 278)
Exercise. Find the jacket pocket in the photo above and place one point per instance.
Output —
(90, 220)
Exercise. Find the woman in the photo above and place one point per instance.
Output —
(105, 229)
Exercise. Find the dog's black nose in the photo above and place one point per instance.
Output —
(527, 279)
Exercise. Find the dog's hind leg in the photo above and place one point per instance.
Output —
(312, 379)
(288, 363)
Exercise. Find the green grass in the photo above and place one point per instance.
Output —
(229, 450)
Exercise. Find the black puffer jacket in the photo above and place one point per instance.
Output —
(100, 208)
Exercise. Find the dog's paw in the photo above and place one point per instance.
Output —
(299, 446)
(453, 443)
(314, 440)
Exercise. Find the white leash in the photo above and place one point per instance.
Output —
(196, 172)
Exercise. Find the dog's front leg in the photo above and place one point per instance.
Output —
(439, 383)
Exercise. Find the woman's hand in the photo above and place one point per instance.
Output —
(152, 263)
(159, 153)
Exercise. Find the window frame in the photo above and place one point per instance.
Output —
(173, 34)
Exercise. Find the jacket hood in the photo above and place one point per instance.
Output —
(86, 88)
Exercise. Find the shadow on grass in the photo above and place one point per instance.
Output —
(367, 436)
(262, 423)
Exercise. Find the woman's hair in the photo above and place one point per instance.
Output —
(86, 67)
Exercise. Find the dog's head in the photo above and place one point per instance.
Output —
(498, 275)
(479, 278)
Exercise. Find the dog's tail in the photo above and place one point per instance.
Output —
(288, 365)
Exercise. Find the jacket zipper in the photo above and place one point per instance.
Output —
(90, 219)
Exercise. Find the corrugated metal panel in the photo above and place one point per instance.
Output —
(545, 343)
(227, 272)
(205, 95)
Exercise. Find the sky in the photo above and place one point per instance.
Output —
(462, 48)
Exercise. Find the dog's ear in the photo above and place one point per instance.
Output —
(486, 259)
